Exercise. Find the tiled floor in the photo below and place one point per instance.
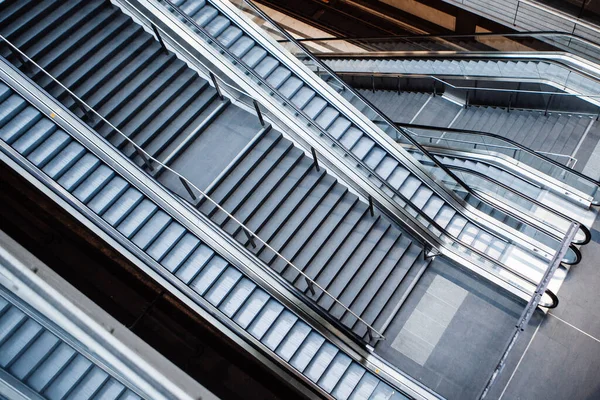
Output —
(451, 332)
(562, 361)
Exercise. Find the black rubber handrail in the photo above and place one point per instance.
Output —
(503, 210)
(531, 35)
(509, 142)
(583, 228)
(554, 298)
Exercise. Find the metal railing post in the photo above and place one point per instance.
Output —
(250, 237)
(258, 112)
(22, 60)
(144, 158)
(547, 106)
(86, 113)
(187, 188)
(213, 78)
(159, 38)
(310, 286)
(315, 160)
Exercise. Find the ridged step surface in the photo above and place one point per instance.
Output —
(122, 72)
(321, 228)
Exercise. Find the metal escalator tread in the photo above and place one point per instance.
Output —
(348, 382)
(13, 346)
(292, 340)
(279, 329)
(33, 354)
(12, 130)
(180, 252)
(334, 372)
(167, 239)
(119, 210)
(130, 224)
(223, 286)
(195, 262)
(237, 296)
(79, 171)
(209, 274)
(320, 362)
(108, 195)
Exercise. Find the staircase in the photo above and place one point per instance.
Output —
(519, 70)
(320, 227)
(339, 126)
(557, 133)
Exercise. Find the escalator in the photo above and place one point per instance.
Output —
(53, 348)
(261, 178)
(496, 142)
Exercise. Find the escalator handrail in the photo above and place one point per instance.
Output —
(429, 220)
(583, 228)
(532, 34)
(509, 142)
(520, 219)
